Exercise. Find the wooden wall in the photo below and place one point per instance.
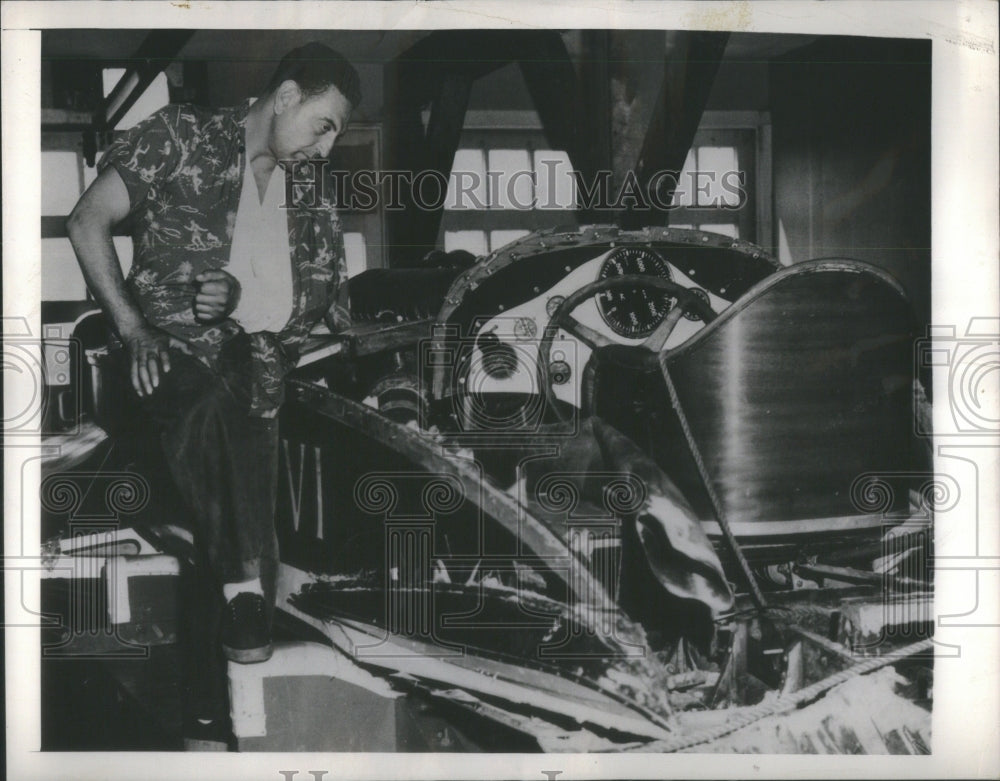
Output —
(851, 161)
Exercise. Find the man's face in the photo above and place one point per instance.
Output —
(306, 127)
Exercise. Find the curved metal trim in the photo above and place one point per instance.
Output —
(496, 503)
(806, 267)
(747, 530)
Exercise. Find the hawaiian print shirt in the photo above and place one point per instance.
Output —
(183, 169)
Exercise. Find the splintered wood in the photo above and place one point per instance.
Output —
(863, 715)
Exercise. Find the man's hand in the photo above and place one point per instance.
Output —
(217, 296)
(148, 353)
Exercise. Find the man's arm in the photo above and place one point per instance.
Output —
(100, 208)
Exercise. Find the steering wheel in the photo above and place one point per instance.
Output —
(684, 301)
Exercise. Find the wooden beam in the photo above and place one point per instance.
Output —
(594, 96)
(157, 50)
(688, 78)
(413, 228)
(435, 156)
(556, 91)
(439, 71)
(635, 78)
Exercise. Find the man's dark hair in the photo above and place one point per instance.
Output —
(315, 67)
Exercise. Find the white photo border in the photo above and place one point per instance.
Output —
(965, 268)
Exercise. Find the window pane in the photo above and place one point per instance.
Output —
(500, 239)
(554, 174)
(123, 246)
(355, 250)
(62, 279)
(60, 182)
(682, 195)
(470, 241)
(467, 183)
(511, 174)
(715, 163)
(156, 96)
(726, 229)
(89, 175)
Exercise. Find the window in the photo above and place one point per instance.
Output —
(507, 183)
(711, 191)
(467, 186)
(65, 176)
(355, 252)
(155, 97)
(63, 181)
(504, 184)
(476, 242)
(359, 149)
(724, 186)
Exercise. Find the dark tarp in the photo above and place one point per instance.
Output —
(599, 473)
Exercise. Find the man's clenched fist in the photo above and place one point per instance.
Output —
(218, 293)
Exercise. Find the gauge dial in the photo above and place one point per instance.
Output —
(553, 304)
(634, 312)
(525, 328)
(689, 315)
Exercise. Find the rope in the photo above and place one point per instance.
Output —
(837, 649)
(787, 703)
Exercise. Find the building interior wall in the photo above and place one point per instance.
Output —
(850, 155)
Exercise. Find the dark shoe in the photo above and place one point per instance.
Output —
(245, 634)
(213, 736)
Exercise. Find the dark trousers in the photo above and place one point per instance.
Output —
(224, 464)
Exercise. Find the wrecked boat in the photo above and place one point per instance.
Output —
(604, 490)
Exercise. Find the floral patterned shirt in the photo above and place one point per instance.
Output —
(183, 169)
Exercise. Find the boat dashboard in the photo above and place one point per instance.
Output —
(518, 331)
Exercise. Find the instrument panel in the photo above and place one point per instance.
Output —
(505, 360)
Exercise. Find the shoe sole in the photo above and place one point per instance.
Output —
(248, 655)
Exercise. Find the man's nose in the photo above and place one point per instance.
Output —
(326, 144)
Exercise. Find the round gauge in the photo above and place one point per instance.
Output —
(689, 315)
(634, 312)
(560, 372)
(525, 328)
(553, 304)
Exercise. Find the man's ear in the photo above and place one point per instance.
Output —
(287, 94)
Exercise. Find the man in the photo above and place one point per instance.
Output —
(233, 265)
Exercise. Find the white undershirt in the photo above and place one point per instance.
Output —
(260, 258)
